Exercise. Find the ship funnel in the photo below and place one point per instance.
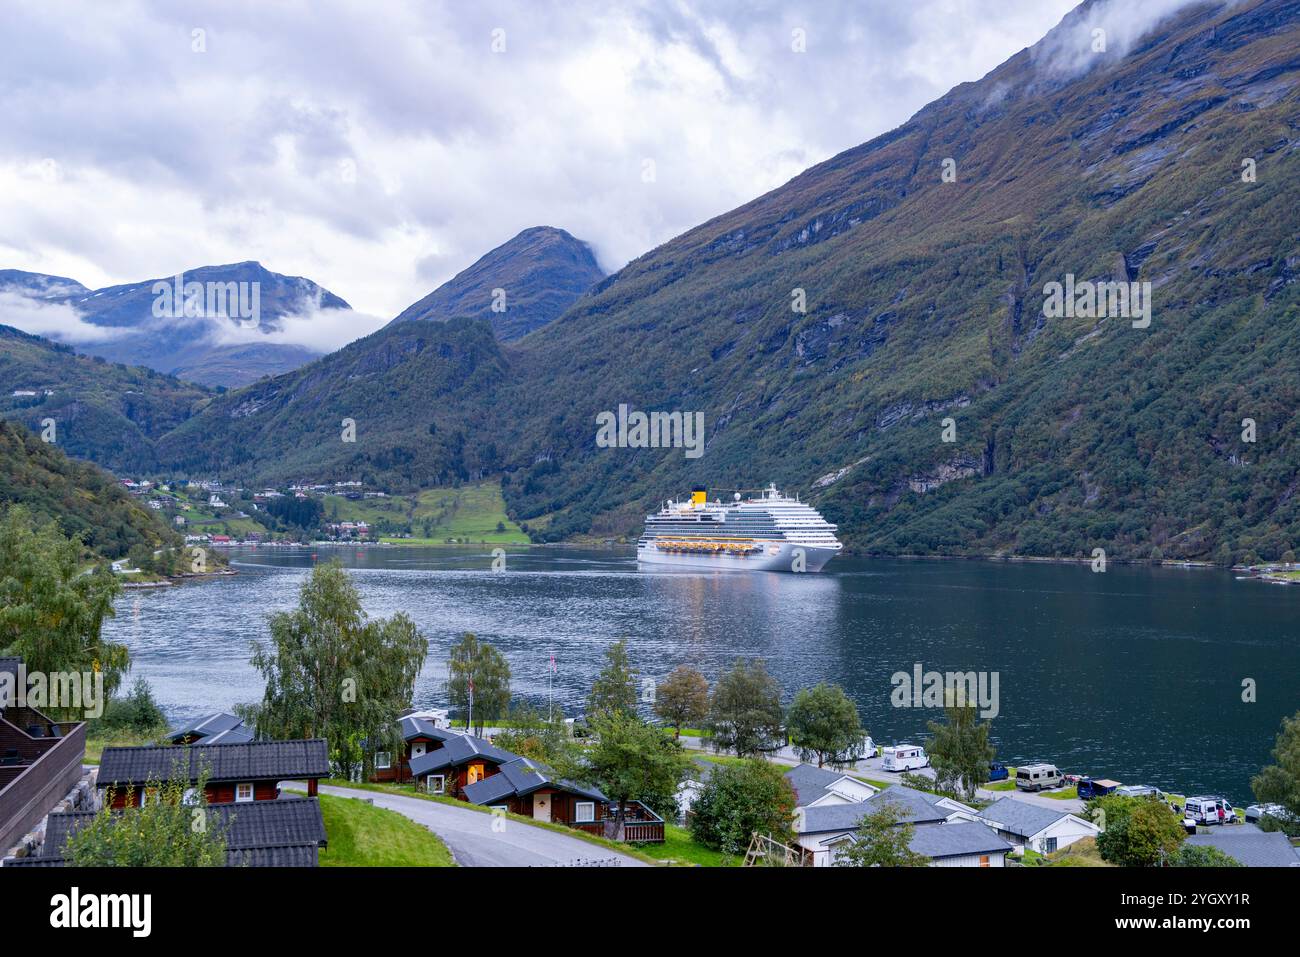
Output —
(699, 496)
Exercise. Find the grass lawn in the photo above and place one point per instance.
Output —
(362, 835)
(97, 742)
(681, 848)
(1082, 853)
(408, 790)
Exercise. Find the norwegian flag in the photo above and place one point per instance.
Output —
(554, 669)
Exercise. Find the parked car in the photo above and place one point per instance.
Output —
(998, 772)
(1038, 777)
(1096, 787)
(1257, 811)
(1210, 809)
(904, 757)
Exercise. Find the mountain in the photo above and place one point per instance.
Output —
(839, 330)
(108, 413)
(217, 341)
(82, 498)
(542, 271)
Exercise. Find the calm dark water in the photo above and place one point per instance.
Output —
(1134, 674)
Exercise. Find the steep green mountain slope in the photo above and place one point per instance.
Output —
(107, 413)
(541, 272)
(924, 301)
(81, 497)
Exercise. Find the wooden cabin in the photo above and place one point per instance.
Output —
(419, 737)
(236, 773)
(461, 760)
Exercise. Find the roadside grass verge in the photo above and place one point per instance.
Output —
(362, 835)
(631, 850)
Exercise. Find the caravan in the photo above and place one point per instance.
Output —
(903, 757)
(1036, 777)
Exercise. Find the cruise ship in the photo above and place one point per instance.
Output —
(770, 533)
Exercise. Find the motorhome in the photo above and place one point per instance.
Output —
(1141, 790)
(1210, 810)
(904, 757)
(1038, 777)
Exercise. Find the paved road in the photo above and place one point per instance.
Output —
(473, 841)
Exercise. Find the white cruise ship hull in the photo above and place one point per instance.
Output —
(773, 556)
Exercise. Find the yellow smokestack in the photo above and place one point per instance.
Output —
(699, 495)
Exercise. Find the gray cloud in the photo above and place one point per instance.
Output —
(379, 148)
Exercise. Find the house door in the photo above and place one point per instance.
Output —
(541, 807)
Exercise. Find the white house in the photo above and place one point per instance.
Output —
(814, 787)
(824, 828)
(1038, 828)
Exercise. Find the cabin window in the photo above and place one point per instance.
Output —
(383, 760)
(436, 784)
(417, 750)
(584, 811)
(243, 793)
(1049, 845)
(475, 773)
(148, 796)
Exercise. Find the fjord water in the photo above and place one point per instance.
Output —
(1134, 674)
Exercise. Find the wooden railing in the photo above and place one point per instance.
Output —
(640, 825)
(28, 797)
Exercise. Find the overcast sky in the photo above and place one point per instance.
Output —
(380, 147)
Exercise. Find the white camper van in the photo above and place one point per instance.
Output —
(903, 757)
(1036, 777)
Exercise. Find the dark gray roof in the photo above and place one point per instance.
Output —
(248, 761)
(916, 807)
(957, 838)
(521, 777)
(811, 783)
(422, 728)
(10, 664)
(220, 727)
(1020, 817)
(280, 833)
(457, 750)
(1250, 846)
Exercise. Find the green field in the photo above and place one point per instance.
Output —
(469, 514)
(362, 835)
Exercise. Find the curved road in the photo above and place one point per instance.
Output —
(477, 839)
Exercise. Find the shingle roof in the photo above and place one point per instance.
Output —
(957, 838)
(916, 807)
(1020, 817)
(422, 728)
(810, 783)
(521, 777)
(206, 727)
(258, 833)
(1250, 846)
(248, 761)
(10, 664)
(456, 751)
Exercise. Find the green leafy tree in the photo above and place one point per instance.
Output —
(682, 699)
(615, 687)
(882, 841)
(745, 713)
(960, 750)
(136, 713)
(1192, 855)
(173, 829)
(739, 800)
(630, 760)
(478, 666)
(1138, 832)
(1279, 783)
(823, 723)
(533, 735)
(52, 608)
(332, 672)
